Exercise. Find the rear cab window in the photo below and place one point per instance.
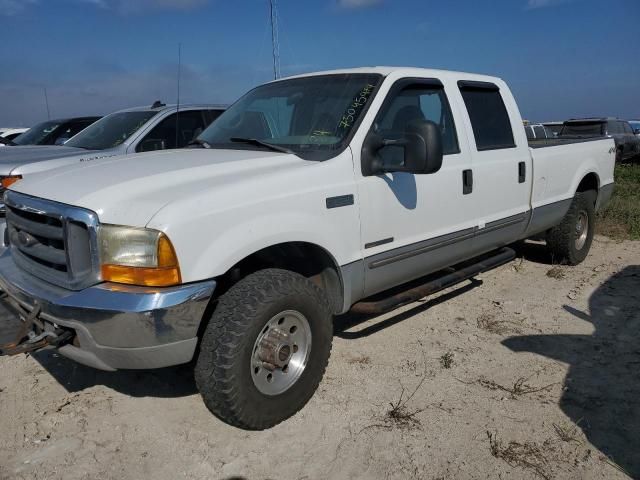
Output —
(583, 128)
(540, 133)
(529, 131)
(488, 114)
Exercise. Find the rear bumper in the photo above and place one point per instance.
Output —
(115, 326)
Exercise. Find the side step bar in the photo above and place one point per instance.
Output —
(464, 272)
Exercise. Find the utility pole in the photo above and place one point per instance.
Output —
(178, 94)
(274, 38)
(46, 102)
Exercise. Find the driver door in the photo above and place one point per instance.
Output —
(415, 224)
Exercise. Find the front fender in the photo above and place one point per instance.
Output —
(243, 239)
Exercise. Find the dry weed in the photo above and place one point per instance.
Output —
(528, 455)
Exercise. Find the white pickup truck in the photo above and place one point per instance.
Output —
(309, 196)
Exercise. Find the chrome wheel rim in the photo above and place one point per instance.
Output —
(582, 230)
(280, 353)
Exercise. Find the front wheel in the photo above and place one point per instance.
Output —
(570, 241)
(265, 349)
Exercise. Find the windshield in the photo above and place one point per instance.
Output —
(311, 116)
(37, 134)
(110, 131)
(591, 128)
(635, 125)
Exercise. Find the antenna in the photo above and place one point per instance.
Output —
(178, 94)
(46, 102)
(273, 10)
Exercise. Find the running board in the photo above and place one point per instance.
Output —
(465, 271)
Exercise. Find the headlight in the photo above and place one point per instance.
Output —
(137, 256)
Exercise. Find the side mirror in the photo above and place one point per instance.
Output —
(422, 145)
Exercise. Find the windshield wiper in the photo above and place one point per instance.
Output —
(198, 142)
(260, 143)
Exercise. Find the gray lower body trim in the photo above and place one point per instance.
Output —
(352, 275)
(547, 216)
(400, 265)
(604, 196)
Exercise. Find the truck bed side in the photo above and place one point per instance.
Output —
(559, 167)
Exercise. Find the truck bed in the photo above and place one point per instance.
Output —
(558, 170)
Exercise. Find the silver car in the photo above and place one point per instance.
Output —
(141, 129)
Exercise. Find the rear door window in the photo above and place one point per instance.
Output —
(489, 118)
(613, 128)
(175, 131)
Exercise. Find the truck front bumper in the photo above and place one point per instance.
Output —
(114, 326)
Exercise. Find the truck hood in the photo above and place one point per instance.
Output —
(12, 157)
(131, 189)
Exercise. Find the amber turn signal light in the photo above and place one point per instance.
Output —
(144, 276)
(10, 180)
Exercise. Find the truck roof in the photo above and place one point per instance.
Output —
(163, 107)
(592, 119)
(406, 71)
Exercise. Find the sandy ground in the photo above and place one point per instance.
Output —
(532, 371)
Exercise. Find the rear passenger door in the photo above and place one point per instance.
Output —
(501, 164)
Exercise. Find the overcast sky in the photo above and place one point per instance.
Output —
(562, 58)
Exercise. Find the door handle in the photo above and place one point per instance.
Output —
(522, 172)
(467, 182)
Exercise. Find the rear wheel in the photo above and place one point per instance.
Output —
(265, 349)
(570, 241)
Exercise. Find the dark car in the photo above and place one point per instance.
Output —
(627, 143)
(54, 132)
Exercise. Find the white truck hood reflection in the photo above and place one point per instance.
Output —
(131, 189)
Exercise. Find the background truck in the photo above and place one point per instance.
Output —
(311, 196)
(627, 142)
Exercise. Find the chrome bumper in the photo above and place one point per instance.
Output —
(116, 326)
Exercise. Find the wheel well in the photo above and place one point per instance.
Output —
(590, 182)
(307, 259)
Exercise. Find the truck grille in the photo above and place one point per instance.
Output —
(53, 241)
